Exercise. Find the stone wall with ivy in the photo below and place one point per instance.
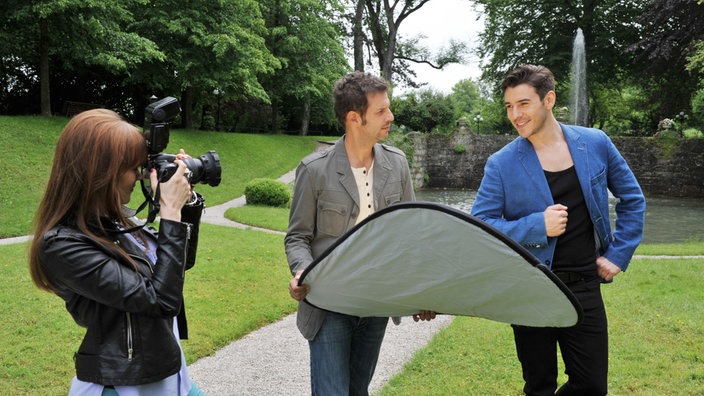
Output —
(672, 167)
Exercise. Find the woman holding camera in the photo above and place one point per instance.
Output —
(121, 281)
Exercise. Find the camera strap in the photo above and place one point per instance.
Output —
(153, 202)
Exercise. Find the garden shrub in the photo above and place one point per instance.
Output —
(693, 133)
(267, 192)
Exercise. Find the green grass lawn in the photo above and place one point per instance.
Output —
(260, 216)
(240, 282)
(656, 341)
(29, 144)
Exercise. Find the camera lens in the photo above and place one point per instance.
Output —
(204, 169)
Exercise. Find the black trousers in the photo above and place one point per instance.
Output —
(584, 348)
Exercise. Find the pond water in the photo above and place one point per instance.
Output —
(666, 219)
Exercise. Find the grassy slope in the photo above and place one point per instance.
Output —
(29, 144)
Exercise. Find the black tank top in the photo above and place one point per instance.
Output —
(576, 249)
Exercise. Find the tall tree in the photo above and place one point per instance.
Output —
(377, 31)
(696, 65)
(424, 110)
(518, 32)
(304, 36)
(670, 31)
(466, 99)
(358, 35)
(542, 32)
(72, 34)
(209, 44)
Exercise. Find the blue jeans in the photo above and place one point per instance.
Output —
(343, 354)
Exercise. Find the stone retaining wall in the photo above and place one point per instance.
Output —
(457, 161)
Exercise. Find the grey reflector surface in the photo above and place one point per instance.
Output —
(424, 256)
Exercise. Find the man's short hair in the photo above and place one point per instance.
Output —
(350, 93)
(539, 77)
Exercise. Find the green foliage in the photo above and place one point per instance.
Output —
(306, 39)
(698, 107)
(403, 142)
(631, 45)
(424, 111)
(81, 33)
(269, 192)
(494, 119)
(210, 44)
(460, 149)
(55, 46)
(668, 140)
(518, 32)
(669, 32)
(692, 133)
(696, 60)
(393, 51)
(624, 110)
(465, 98)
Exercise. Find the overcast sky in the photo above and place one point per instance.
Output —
(440, 21)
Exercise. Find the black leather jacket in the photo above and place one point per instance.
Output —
(128, 314)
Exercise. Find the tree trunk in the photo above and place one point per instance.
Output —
(374, 12)
(305, 118)
(358, 36)
(274, 116)
(187, 108)
(385, 41)
(388, 60)
(45, 94)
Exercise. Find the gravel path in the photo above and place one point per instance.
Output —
(274, 359)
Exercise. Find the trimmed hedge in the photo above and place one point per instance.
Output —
(269, 192)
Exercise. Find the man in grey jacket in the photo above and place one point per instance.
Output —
(334, 190)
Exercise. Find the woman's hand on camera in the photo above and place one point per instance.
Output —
(182, 155)
(174, 193)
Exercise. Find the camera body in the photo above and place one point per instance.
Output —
(204, 169)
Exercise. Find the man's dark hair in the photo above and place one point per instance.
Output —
(539, 77)
(350, 93)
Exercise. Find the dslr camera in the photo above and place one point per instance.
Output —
(204, 169)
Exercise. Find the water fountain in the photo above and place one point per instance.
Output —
(579, 103)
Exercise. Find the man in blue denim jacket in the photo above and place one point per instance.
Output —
(336, 189)
(549, 191)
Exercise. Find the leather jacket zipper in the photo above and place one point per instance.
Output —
(130, 346)
(185, 250)
(130, 349)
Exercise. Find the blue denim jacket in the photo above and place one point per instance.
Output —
(514, 194)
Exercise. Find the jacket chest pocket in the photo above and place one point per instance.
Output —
(392, 199)
(331, 218)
